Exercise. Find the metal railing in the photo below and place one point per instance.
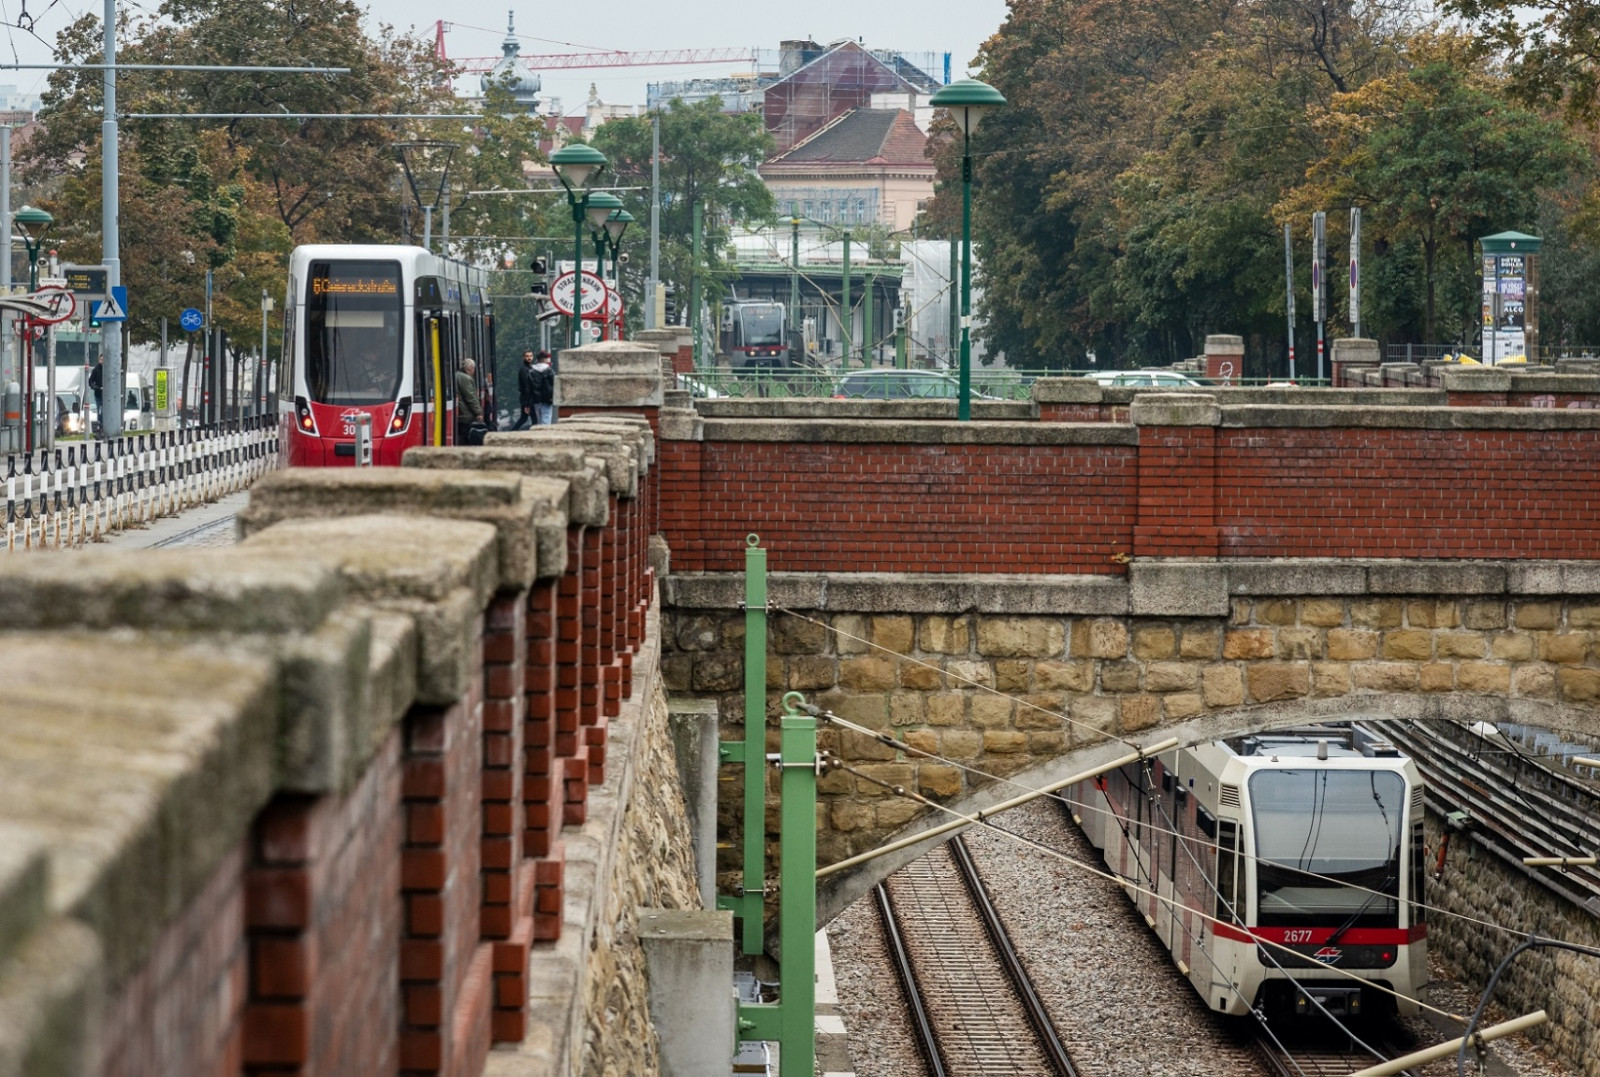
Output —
(1013, 385)
(79, 492)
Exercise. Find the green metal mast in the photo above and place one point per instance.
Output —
(844, 308)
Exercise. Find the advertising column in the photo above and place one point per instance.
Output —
(1509, 312)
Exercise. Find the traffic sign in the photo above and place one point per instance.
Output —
(191, 319)
(114, 308)
(594, 293)
(61, 302)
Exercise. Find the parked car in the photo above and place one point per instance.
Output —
(1161, 379)
(887, 383)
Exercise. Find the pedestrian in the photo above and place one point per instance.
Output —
(469, 412)
(526, 392)
(544, 389)
(97, 383)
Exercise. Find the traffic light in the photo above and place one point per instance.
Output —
(669, 305)
(540, 287)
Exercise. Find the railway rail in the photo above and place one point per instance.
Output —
(974, 1006)
(1521, 806)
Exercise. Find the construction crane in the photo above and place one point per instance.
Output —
(580, 60)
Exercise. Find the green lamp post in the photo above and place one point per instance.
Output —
(967, 101)
(33, 222)
(575, 165)
(616, 224)
(600, 207)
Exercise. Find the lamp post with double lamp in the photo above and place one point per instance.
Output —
(32, 223)
(616, 224)
(599, 207)
(575, 165)
(967, 101)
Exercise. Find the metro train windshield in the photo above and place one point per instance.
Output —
(354, 315)
(1326, 839)
(762, 325)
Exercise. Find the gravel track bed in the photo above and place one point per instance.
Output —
(1121, 1007)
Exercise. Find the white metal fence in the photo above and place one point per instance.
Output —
(76, 493)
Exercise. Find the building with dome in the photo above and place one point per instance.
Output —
(512, 72)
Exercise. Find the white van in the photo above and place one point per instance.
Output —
(138, 404)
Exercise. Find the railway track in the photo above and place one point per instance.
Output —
(1525, 807)
(973, 1005)
(1318, 1054)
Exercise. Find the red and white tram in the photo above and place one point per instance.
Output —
(378, 330)
(1267, 862)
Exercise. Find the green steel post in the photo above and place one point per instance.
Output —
(964, 403)
(844, 308)
(794, 272)
(755, 745)
(902, 351)
(694, 286)
(955, 301)
(869, 332)
(577, 266)
(797, 897)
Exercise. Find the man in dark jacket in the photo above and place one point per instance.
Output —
(468, 410)
(526, 392)
(544, 389)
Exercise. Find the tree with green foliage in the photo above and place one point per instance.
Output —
(707, 156)
(1436, 155)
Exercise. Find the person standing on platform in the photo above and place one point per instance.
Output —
(468, 411)
(526, 392)
(544, 389)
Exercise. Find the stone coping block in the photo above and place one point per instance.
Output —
(587, 489)
(804, 407)
(1067, 391)
(610, 374)
(203, 590)
(24, 886)
(112, 753)
(51, 1002)
(491, 497)
(1411, 418)
(441, 573)
(910, 593)
(1544, 381)
(682, 425)
(1086, 391)
(681, 399)
(635, 429)
(664, 340)
(1478, 379)
(1152, 587)
(1224, 344)
(619, 454)
(1356, 350)
(1175, 409)
(870, 431)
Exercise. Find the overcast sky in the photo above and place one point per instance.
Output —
(631, 25)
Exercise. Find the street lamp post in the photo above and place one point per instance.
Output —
(967, 101)
(616, 224)
(575, 165)
(33, 222)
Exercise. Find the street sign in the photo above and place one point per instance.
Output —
(61, 303)
(114, 308)
(594, 293)
(88, 280)
(191, 319)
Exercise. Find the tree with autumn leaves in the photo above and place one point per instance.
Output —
(1131, 196)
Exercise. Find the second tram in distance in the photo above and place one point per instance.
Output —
(378, 330)
(1311, 840)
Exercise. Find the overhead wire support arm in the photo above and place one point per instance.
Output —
(299, 116)
(177, 67)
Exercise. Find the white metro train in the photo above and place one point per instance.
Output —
(1283, 870)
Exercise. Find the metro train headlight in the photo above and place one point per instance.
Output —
(402, 415)
(302, 414)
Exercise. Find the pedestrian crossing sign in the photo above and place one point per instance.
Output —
(113, 308)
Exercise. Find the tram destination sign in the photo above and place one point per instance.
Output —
(85, 280)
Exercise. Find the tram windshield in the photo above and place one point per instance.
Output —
(353, 340)
(1327, 847)
(762, 325)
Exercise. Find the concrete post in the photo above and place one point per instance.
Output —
(689, 956)
(1225, 358)
(693, 723)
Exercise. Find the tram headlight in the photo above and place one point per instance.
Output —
(302, 414)
(402, 415)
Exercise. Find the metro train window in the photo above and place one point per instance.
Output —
(353, 332)
(1327, 846)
